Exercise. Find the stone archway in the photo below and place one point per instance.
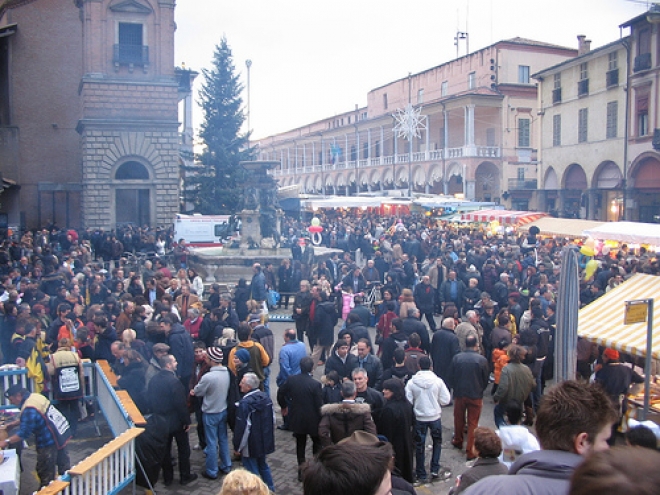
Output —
(487, 182)
(455, 179)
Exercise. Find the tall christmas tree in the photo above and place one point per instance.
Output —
(215, 185)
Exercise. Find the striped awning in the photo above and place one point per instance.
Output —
(602, 320)
(504, 217)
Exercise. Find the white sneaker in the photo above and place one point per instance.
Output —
(197, 447)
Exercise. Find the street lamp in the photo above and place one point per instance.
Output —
(248, 64)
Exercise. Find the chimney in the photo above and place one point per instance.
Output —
(584, 45)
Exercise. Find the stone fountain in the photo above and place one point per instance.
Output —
(260, 217)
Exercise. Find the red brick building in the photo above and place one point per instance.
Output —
(88, 112)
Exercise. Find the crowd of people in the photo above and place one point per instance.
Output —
(455, 309)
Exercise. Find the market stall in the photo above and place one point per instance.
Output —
(503, 217)
(561, 227)
(628, 232)
(602, 322)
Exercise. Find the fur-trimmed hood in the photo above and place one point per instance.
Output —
(344, 408)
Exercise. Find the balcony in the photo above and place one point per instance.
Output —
(493, 152)
(612, 78)
(523, 184)
(583, 87)
(642, 62)
(130, 55)
(556, 95)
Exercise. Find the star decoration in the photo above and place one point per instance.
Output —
(409, 122)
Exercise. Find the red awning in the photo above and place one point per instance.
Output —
(504, 217)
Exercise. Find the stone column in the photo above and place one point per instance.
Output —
(469, 131)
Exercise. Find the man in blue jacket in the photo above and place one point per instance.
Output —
(254, 436)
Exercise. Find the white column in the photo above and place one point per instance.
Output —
(469, 130)
(368, 146)
(382, 146)
(304, 157)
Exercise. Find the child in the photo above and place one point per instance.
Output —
(500, 360)
(332, 389)
(348, 300)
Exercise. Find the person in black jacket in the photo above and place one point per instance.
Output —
(105, 335)
(355, 328)
(468, 376)
(322, 329)
(301, 304)
(398, 339)
(168, 398)
(536, 339)
(444, 347)
(181, 347)
(341, 361)
(301, 398)
(132, 379)
(424, 294)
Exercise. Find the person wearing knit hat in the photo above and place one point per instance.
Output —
(213, 387)
(241, 362)
(616, 379)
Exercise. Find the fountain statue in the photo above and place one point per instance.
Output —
(260, 213)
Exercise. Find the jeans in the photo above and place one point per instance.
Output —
(215, 428)
(267, 380)
(421, 428)
(259, 466)
(498, 412)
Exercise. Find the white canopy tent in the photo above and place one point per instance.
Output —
(631, 232)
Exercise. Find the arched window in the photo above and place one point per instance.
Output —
(132, 171)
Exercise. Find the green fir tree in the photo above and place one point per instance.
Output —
(215, 184)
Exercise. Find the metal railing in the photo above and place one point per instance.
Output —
(111, 468)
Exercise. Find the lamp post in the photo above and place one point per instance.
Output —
(248, 64)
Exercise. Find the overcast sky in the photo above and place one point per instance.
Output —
(312, 59)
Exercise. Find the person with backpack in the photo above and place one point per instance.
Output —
(66, 369)
(50, 429)
(398, 339)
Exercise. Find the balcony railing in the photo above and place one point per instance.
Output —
(131, 54)
(522, 184)
(417, 157)
(642, 62)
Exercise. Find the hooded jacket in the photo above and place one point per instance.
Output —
(544, 472)
(427, 393)
(339, 421)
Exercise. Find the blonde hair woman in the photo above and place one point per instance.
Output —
(242, 482)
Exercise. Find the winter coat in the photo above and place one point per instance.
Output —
(396, 422)
(323, 326)
(254, 434)
(264, 336)
(516, 382)
(258, 290)
(303, 396)
(543, 472)
(343, 368)
(484, 467)
(468, 375)
(339, 421)
(424, 298)
(181, 347)
(168, 398)
(444, 347)
(132, 380)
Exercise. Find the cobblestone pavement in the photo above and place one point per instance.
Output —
(283, 462)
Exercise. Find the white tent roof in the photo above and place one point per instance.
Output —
(567, 227)
(632, 232)
(353, 201)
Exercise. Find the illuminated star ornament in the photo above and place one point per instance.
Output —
(409, 122)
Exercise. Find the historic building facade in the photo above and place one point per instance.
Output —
(582, 104)
(90, 125)
(476, 134)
